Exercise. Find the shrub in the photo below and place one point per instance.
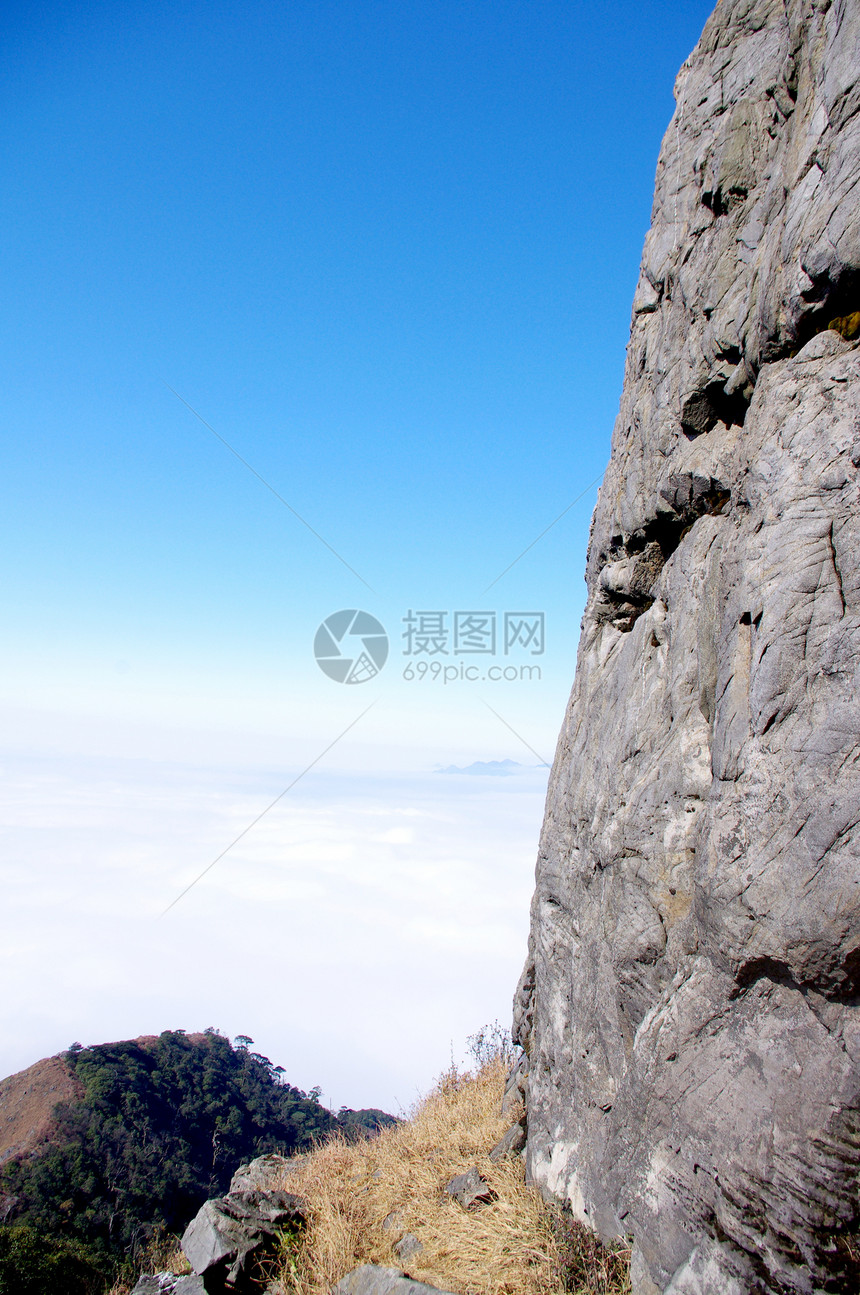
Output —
(32, 1264)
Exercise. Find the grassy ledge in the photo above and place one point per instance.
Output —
(364, 1196)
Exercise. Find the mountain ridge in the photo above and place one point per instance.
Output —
(106, 1145)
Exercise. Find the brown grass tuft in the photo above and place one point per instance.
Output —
(161, 1254)
(363, 1197)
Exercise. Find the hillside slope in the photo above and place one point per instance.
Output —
(108, 1144)
(27, 1102)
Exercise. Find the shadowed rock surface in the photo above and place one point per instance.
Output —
(231, 1233)
(690, 1005)
(510, 1143)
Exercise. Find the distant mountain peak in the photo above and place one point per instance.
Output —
(485, 768)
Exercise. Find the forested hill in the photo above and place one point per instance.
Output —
(146, 1131)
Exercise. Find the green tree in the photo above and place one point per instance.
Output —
(160, 1129)
(31, 1264)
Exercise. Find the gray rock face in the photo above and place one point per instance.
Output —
(690, 1002)
(516, 1085)
(262, 1174)
(230, 1232)
(371, 1279)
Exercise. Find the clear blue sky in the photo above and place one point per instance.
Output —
(388, 252)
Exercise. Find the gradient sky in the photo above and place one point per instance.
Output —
(387, 252)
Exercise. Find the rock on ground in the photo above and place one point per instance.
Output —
(470, 1189)
(407, 1247)
(370, 1279)
(690, 1001)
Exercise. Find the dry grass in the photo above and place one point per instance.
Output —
(363, 1197)
(162, 1254)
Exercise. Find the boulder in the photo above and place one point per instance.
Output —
(232, 1233)
(470, 1190)
(370, 1279)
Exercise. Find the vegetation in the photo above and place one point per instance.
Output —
(365, 1196)
(847, 325)
(31, 1264)
(162, 1127)
(164, 1123)
(357, 1124)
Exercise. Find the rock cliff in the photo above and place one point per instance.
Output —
(690, 1002)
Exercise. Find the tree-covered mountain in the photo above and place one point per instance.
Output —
(159, 1125)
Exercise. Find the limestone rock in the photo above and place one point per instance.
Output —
(510, 1143)
(370, 1279)
(690, 1002)
(231, 1232)
(263, 1174)
(470, 1190)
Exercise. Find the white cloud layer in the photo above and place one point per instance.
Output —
(361, 930)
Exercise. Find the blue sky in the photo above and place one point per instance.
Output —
(388, 252)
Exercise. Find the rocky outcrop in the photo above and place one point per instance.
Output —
(230, 1235)
(690, 1002)
(264, 1174)
(510, 1143)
